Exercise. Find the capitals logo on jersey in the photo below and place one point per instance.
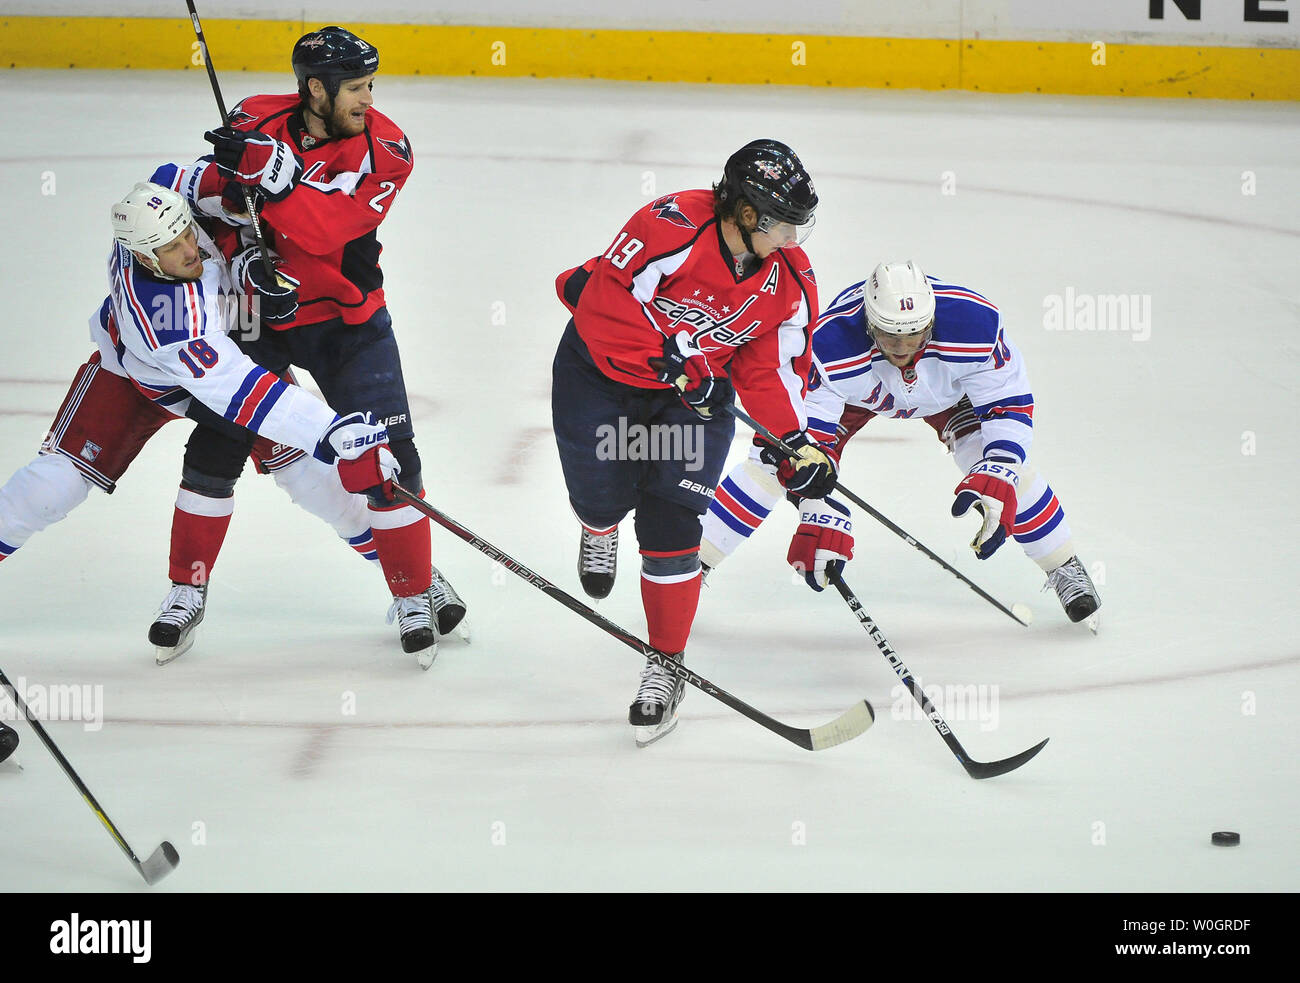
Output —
(666, 209)
(398, 148)
(704, 322)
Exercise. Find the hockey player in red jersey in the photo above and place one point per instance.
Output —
(328, 167)
(163, 352)
(700, 290)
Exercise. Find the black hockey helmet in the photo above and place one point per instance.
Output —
(332, 55)
(768, 175)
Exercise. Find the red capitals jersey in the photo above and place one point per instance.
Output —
(325, 228)
(670, 270)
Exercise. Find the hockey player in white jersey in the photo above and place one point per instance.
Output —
(164, 351)
(901, 345)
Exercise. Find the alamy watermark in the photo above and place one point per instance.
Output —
(653, 442)
(971, 702)
(1098, 312)
(59, 701)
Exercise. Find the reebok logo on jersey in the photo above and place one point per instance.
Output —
(666, 209)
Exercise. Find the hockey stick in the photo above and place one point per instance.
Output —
(160, 863)
(845, 727)
(976, 769)
(1024, 616)
(225, 121)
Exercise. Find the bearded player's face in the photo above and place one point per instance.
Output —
(354, 98)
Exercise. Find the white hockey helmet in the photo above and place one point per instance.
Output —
(150, 217)
(899, 300)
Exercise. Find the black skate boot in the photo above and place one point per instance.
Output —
(1075, 590)
(172, 635)
(654, 712)
(8, 741)
(415, 622)
(598, 563)
(448, 608)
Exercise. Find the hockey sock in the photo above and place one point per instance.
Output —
(315, 487)
(741, 503)
(38, 495)
(670, 593)
(402, 540)
(199, 526)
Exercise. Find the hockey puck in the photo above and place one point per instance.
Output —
(1225, 838)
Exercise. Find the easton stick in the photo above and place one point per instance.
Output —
(160, 863)
(976, 769)
(1018, 612)
(848, 725)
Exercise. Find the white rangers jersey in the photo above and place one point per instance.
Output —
(170, 339)
(968, 354)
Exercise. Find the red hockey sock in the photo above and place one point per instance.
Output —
(403, 544)
(199, 526)
(670, 604)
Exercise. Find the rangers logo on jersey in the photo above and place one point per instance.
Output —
(666, 209)
(91, 450)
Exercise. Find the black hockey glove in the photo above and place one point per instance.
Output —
(253, 158)
(685, 368)
(275, 299)
(812, 474)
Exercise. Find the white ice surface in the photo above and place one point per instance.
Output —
(1176, 720)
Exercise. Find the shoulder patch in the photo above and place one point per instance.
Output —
(398, 148)
(666, 209)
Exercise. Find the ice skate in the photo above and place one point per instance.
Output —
(598, 562)
(8, 744)
(448, 608)
(172, 635)
(654, 712)
(414, 617)
(1076, 592)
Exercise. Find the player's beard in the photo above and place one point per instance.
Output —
(339, 123)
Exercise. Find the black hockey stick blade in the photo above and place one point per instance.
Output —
(160, 863)
(991, 769)
(848, 725)
(976, 769)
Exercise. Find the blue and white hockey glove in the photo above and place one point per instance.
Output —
(685, 368)
(991, 488)
(360, 448)
(253, 158)
(275, 299)
(823, 543)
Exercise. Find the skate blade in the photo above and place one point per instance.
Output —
(645, 736)
(1093, 621)
(425, 657)
(163, 655)
(11, 764)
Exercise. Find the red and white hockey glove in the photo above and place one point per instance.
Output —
(686, 369)
(990, 487)
(360, 448)
(812, 475)
(254, 158)
(275, 298)
(823, 543)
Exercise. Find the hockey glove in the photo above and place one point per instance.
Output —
(823, 543)
(275, 299)
(812, 474)
(685, 368)
(251, 157)
(990, 487)
(360, 448)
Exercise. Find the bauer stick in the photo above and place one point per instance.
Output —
(1018, 612)
(225, 121)
(976, 769)
(160, 863)
(848, 725)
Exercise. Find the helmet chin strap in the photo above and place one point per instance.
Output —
(326, 122)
